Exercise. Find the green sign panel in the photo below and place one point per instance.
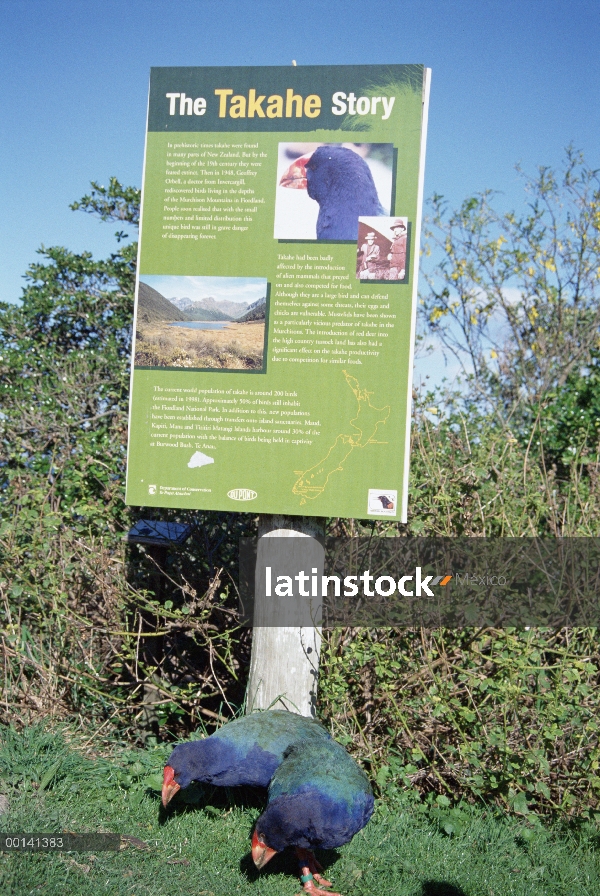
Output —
(277, 284)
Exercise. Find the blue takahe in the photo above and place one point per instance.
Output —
(342, 183)
(246, 751)
(318, 796)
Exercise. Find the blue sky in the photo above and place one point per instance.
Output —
(512, 82)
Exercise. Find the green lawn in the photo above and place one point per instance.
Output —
(201, 847)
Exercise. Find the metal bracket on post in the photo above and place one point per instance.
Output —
(284, 665)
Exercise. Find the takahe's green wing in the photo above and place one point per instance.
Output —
(273, 730)
(324, 766)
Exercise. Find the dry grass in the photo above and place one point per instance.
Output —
(238, 346)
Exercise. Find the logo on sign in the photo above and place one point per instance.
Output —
(242, 494)
(382, 502)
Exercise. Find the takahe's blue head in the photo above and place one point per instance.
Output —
(219, 761)
(330, 169)
(342, 183)
(200, 760)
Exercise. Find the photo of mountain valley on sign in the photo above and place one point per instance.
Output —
(201, 323)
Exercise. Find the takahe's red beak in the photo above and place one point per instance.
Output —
(295, 176)
(261, 853)
(170, 785)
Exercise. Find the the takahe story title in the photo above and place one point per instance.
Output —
(293, 105)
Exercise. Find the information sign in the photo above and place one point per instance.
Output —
(276, 294)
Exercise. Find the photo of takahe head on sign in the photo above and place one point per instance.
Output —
(323, 188)
(381, 252)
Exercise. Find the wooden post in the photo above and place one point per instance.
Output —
(284, 665)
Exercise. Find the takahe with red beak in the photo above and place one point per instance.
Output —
(342, 183)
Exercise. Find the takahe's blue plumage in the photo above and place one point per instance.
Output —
(342, 183)
(246, 751)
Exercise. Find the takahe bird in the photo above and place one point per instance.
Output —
(342, 183)
(318, 797)
(246, 751)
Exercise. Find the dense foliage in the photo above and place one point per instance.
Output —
(75, 602)
(138, 644)
(515, 298)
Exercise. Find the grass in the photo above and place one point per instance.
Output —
(201, 846)
(240, 346)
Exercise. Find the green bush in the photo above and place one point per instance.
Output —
(496, 715)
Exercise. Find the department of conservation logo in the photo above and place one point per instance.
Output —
(242, 494)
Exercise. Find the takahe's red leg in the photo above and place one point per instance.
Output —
(309, 871)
